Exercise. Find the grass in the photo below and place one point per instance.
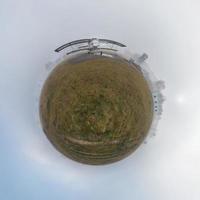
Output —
(96, 110)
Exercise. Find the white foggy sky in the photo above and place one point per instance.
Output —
(167, 167)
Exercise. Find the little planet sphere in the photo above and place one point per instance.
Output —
(96, 109)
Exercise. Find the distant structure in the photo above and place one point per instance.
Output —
(156, 86)
(93, 45)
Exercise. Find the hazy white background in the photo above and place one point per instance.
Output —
(167, 167)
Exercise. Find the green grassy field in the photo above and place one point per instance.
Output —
(97, 110)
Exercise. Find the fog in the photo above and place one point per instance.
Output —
(167, 167)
